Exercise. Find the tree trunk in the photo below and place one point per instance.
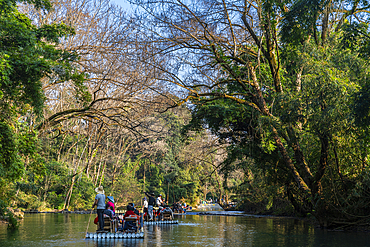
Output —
(70, 192)
(261, 103)
(98, 170)
(67, 201)
(102, 173)
(116, 163)
(219, 186)
(60, 148)
(325, 23)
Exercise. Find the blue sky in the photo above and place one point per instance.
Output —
(122, 3)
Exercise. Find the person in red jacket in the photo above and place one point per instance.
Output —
(129, 213)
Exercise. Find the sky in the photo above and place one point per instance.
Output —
(123, 3)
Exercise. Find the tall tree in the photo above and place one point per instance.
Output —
(290, 86)
(28, 54)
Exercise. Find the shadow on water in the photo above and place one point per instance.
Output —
(193, 230)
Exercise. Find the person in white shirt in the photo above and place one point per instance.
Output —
(159, 201)
(145, 206)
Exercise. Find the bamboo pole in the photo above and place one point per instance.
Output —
(88, 223)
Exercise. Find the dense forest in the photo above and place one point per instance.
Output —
(263, 102)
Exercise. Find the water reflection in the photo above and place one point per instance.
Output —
(200, 230)
(115, 242)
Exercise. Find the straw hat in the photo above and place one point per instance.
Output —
(99, 190)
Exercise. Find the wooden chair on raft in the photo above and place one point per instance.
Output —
(109, 225)
(133, 223)
(166, 216)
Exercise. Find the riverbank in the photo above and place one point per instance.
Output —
(244, 214)
(35, 211)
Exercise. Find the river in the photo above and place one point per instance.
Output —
(43, 230)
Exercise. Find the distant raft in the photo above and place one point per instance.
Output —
(161, 222)
(95, 235)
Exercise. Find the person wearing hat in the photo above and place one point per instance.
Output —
(110, 203)
(100, 206)
(159, 201)
(150, 204)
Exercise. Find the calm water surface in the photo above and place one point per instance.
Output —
(193, 230)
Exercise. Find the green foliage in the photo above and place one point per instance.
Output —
(317, 105)
(12, 222)
(84, 193)
(55, 183)
(3, 209)
(4, 212)
(300, 21)
(27, 199)
(10, 166)
(362, 106)
(354, 37)
(154, 179)
(28, 55)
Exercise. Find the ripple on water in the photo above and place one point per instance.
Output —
(189, 224)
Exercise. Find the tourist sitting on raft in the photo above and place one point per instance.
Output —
(110, 203)
(109, 212)
(176, 207)
(166, 209)
(135, 209)
(131, 212)
(160, 203)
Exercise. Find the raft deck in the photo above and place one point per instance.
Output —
(94, 235)
(161, 222)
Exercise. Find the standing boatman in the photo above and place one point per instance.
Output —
(100, 203)
(151, 203)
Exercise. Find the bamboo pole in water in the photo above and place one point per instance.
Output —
(88, 223)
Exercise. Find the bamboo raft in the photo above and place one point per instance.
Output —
(161, 222)
(94, 235)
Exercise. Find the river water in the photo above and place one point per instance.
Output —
(193, 230)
